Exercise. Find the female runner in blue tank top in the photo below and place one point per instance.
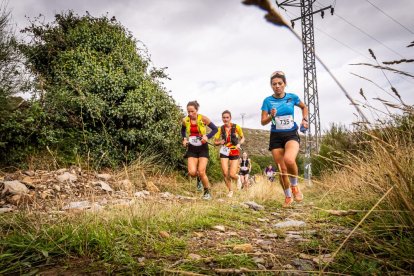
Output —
(284, 139)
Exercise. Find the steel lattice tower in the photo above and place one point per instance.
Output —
(309, 73)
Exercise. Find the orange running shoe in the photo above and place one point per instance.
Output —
(297, 194)
(288, 202)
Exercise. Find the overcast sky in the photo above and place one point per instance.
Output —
(221, 53)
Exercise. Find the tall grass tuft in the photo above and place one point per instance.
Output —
(375, 173)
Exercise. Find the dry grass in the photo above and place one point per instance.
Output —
(379, 180)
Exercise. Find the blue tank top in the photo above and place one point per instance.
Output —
(284, 120)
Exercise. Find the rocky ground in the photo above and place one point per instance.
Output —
(65, 189)
(277, 241)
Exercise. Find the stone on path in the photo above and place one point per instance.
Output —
(66, 176)
(5, 210)
(14, 187)
(105, 186)
(166, 195)
(290, 223)
(194, 257)
(78, 205)
(323, 259)
(304, 265)
(29, 173)
(259, 260)
(295, 237)
(186, 198)
(104, 176)
(253, 205)
(220, 228)
(142, 194)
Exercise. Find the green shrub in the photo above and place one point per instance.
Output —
(99, 95)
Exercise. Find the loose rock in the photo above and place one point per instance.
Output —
(195, 257)
(323, 259)
(29, 173)
(15, 187)
(104, 176)
(105, 186)
(290, 223)
(220, 228)
(67, 177)
(253, 205)
(5, 210)
(78, 205)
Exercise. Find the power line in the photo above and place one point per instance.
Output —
(390, 17)
(337, 40)
(370, 36)
(342, 43)
(367, 34)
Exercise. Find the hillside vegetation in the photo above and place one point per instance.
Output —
(92, 177)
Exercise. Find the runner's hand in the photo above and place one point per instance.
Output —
(204, 138)
(273, 112)
(305, 124)
(185, 142)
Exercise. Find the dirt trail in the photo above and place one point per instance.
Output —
(273, 239)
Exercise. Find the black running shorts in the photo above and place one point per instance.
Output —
(197, 151)
(243, 172)
(278, 140)
(236, 157)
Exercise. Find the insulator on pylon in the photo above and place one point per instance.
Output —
(332, 11)
(322, 13)
(293, 24)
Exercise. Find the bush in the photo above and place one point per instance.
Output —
(99, 95)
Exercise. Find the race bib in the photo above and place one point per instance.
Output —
(225, 150)
(195, 141)
(244, 168)
(284, 122)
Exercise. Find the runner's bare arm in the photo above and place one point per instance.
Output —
(266, 118)
(305, 113)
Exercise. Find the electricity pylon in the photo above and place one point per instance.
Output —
(242, 115)
(309, 70)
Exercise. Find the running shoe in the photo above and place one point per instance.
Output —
(206, 196)
(230, 194)
(298, 196)
(199, 184)
(288, 202)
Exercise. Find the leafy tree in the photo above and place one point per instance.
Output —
(11, 74)
(99, 96)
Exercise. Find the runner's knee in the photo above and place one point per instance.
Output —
(201, 174)
(192, 173)
(289, 161)
(234, 176)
